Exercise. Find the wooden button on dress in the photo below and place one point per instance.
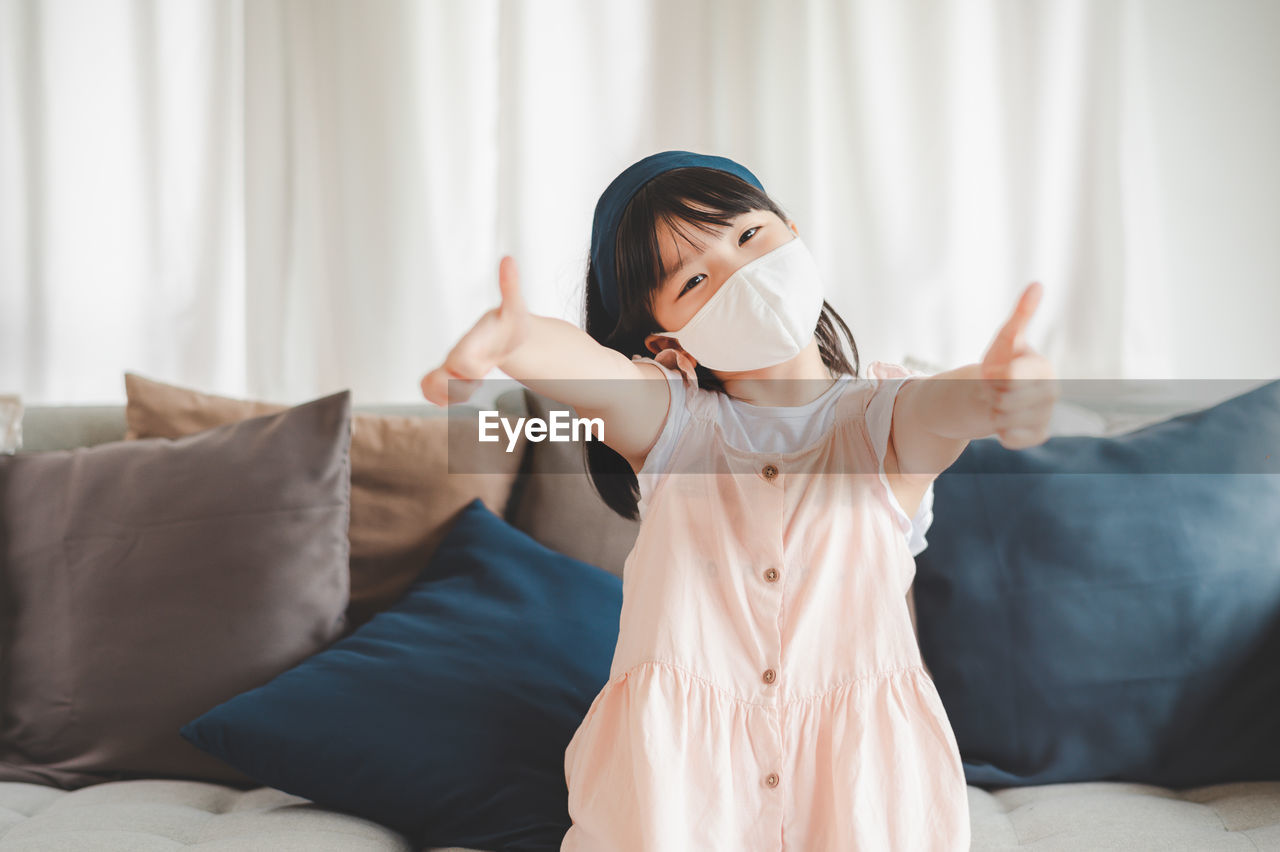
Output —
(769, 675)
(770, 471)
(771, 575)
(771, 779)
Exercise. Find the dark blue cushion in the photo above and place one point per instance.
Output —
(1108, 608)
(447, 716)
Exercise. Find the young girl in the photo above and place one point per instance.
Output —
(767, 691)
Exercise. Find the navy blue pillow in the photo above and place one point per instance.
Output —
(447, 716)
(1108, 608)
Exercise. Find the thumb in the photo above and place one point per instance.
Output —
(1010, 340)
(509, 287)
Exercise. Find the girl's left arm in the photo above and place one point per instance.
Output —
(1010, 393)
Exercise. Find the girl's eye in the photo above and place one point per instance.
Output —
(694, 281)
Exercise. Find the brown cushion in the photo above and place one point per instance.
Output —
(403, 497)
(555, 502)
(144, 582)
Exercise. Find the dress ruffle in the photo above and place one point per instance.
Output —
(668, 760)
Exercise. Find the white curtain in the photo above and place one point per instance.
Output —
(121, 196)
(282, 198)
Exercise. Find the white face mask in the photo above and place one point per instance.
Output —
(763, 315)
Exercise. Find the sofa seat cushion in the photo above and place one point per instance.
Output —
(1119, 815)
(162, 815)
(156, 814)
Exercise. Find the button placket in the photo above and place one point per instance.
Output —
(770, 472)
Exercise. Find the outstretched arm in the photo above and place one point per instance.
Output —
(561, 361)
(1010, 393)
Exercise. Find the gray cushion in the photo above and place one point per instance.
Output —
(146, 581)
(407, 485)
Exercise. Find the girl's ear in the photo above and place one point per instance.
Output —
(668, 352)
(655, 343)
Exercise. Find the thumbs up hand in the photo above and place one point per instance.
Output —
(1018, 384)
(498, 333)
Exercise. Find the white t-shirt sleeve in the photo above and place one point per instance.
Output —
(659, 456)
(887, 380)
(916, 541)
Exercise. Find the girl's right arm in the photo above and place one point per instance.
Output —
(557, 359)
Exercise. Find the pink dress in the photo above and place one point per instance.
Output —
(767, 691)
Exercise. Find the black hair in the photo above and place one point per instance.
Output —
(703, 198)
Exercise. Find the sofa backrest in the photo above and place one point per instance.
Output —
(552, 500)
(64, 427)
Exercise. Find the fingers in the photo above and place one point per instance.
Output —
(1026, 393)
(1020, 417)
(1031, 416)
(476, 353)
(1029, 372)
(442, 386)
(1021, 439)
(1017, 383)
(434, 389)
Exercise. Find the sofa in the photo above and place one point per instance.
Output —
(553, 501)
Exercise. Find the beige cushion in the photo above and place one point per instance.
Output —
(403, 496)
(146, 581)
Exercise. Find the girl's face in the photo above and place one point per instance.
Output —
(696, 272)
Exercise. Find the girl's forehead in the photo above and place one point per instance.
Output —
(688, 233)
(676, 239)
(686, 240)
(683, 234)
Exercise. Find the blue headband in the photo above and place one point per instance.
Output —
(614, 200)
